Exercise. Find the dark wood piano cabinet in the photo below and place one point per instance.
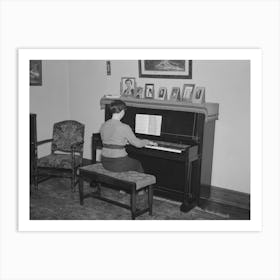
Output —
(179, 175)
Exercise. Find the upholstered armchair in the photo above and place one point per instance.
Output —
(66, 153)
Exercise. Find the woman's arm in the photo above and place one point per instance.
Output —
(133, 140)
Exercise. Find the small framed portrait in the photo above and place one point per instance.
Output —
(139, 92)
(128, 86)
(162, 93)
(175, 94)
(35, 72)
(199, 95)
(149, 91)
(187, 92)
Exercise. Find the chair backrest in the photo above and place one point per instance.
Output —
(67, 133)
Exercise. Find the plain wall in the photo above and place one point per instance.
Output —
(51, 100)
(226, 82)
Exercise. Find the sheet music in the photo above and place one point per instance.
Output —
(154, 125)
(148, 124)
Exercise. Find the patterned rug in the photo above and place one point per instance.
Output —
(55, 201)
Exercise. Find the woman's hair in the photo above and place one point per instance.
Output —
(117, 106)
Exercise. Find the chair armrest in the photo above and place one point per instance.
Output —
(44, 141)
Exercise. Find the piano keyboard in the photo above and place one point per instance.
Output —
(168, 147)
(164, 149)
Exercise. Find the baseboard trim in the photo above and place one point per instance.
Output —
(226, 196)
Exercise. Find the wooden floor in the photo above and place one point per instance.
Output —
(234, 213)
(229, 202)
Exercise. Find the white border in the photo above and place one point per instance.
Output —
(254, 55)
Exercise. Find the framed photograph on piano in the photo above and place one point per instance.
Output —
(162, 93)
(149, 91)
(187, 92)
(199, 95)
(175, 94)
(170, 69)
(128, 86)
(139, 92)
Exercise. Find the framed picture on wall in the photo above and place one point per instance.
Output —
(108, 67)
(175, 94)
(128, 86)
(199, 95)
(187, 92)
(162, 93)
(149, 91)
(35, 72)
(172, 69)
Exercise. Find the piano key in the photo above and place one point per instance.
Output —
(164, 149)
(172, 145)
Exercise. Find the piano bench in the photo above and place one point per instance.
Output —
(129, 181)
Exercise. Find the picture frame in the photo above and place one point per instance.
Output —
(139, 92)
(162, 93)
(170, 69)
(35, 72)
(128, 86)
(175, 94)
(108, 67)
(187, 92)
(199, 95)
(149, 91)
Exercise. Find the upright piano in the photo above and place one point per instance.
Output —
(182, 160)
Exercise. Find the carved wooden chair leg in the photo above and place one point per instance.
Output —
(150, 199)
(73, 180)
(35, 176)
(35, 180)
(133, 203)
(81, 190)
(98, 189)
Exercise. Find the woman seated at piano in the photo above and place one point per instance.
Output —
(115, 135)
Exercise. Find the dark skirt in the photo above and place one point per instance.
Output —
(121, 164)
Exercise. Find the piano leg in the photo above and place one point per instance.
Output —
(186, 207)
(197, 180)
(189, 200)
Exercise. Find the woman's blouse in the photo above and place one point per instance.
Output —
(114, 132)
